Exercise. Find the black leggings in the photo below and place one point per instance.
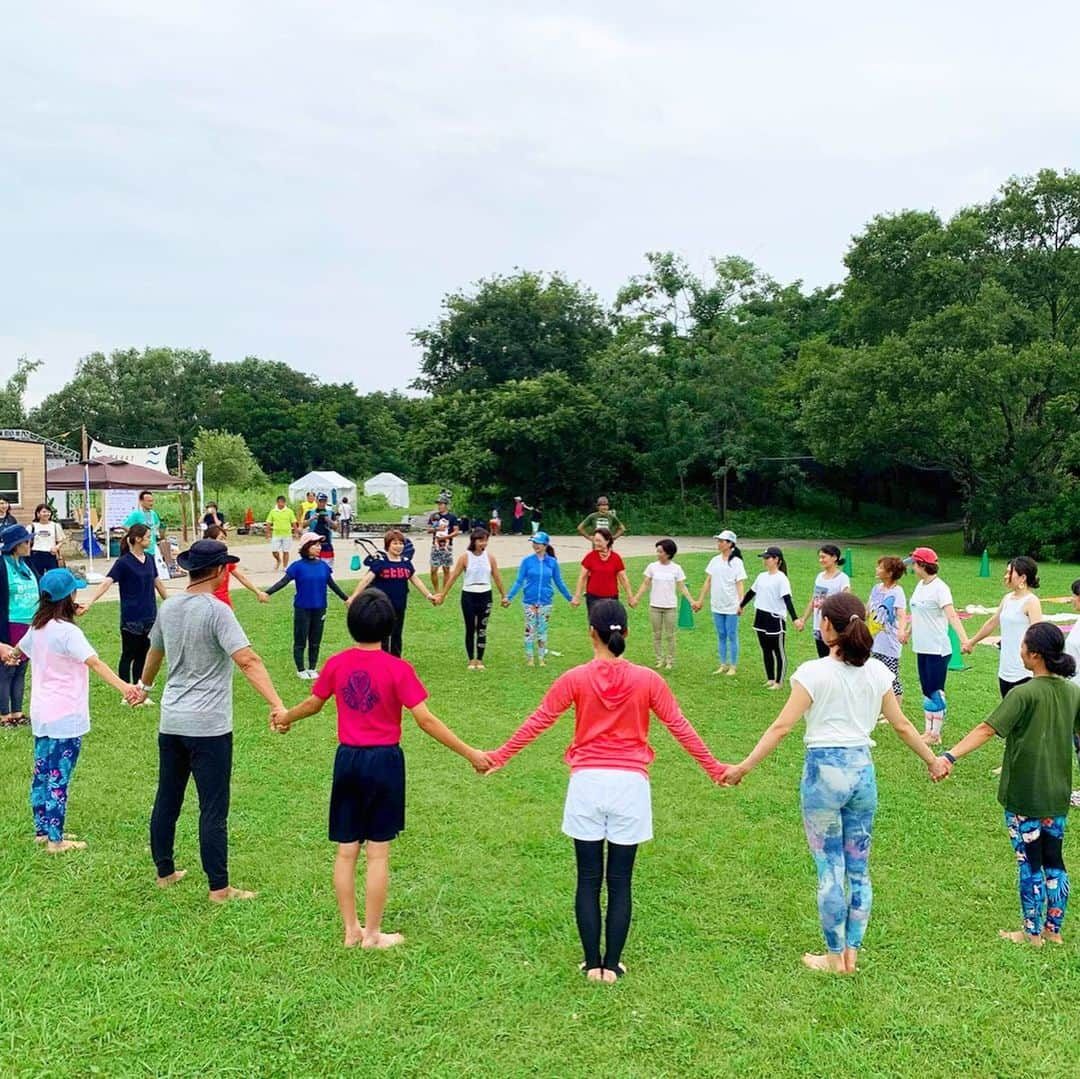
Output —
(476, 609)
(392, 644)
(774, 654)
(590, 875)
(307, 629)
(133, 648)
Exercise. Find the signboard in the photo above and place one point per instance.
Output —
(155, 457)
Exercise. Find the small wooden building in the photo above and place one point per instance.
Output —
(24, 459)
(22, 475)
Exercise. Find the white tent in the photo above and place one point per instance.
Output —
(326, 483)
(394, 487)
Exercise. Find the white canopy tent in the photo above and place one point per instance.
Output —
(393, 487)
(326, 483)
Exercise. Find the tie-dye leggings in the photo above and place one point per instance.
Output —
(54, 761)
(537, 617)
(1044, 884)
(839, 799)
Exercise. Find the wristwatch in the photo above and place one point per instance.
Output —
(140, 685)
(949, 757)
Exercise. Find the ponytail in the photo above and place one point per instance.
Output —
(734, 552)
(1046, 640)
(135, 532)
(847, 616)
(781, 565)
(833, 551)
(608, 619)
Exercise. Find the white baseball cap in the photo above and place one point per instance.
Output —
(728, 535)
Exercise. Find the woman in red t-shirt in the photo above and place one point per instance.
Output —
(608, 799)
(602, 572)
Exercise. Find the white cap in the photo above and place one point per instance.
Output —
(728, 535)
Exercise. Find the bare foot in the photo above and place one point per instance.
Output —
(225, 895)
(594, 974)
(63, 845)
(354, 935)
(932, 739)
(1018, 936)
(1054, 938)
(382, 941)
(172, 878)
(830, 963)
(851, 960)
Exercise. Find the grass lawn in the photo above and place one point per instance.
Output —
(102, 973)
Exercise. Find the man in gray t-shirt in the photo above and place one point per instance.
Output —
(200, 639)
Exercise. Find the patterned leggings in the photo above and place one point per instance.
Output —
(839, 799)
(54, 761)
(537, 617)
(1044, 884)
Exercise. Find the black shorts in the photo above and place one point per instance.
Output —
(367, 800)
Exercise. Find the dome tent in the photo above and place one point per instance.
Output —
(332, 484)
(393, 487)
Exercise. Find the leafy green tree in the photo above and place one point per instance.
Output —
(12, 409)
(510, 328)
(226, 461)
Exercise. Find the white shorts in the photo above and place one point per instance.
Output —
(608, 803)
(281, 543)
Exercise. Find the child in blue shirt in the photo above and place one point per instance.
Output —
(312, 577)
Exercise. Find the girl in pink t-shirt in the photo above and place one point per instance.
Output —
(62, 659)
(609, 797)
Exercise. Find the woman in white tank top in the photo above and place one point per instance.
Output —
(480, 569)
(1018, 610)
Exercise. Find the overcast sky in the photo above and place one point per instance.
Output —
(305, 181)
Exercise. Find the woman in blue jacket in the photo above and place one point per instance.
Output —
(538, 577)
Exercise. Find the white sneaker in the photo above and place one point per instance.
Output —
(312, 675)
(302, 675)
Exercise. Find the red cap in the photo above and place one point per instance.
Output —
(923, 554)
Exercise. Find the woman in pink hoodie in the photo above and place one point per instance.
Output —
(608, 798)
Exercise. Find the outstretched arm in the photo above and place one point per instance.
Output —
(984, 630)
(253, 669)
(104, 672)
(796, 707)
(99, 592)
(365, 579)
(434, 727)
(666, 708)
(282, 721)
(890, 709)
(556, 701)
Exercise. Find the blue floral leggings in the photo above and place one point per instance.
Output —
(1044, 884)
(537, 617)
(839, 799)
(54, 761)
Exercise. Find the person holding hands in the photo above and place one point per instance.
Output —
(663, 577)
(481, 570)
(725, 577)
(603, 572)
(370, 688)
(840, 696)
(1040, 722)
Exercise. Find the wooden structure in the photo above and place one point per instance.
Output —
(22, 475)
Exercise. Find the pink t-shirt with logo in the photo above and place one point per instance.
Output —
(370, 687)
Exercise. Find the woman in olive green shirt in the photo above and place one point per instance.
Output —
(1039, 721)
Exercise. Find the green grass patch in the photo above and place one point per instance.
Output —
(103, 973)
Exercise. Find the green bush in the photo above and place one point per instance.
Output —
(1049, 533)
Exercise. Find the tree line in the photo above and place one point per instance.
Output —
(944, 371)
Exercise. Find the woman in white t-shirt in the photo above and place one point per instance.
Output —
(932, 612)
(1019, 609)
(663, 578)
(48, 540)
(841, 696)
(724, 577)
(771, 593)
(828, 582)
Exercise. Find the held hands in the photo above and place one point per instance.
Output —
(278, 723)
(940, 769)
(505, 602)
(733, 775)
(480, 760)
(133, 695)
(799, 624)
(575, 602)
(263, 597)
(436, 598)
(696, 606)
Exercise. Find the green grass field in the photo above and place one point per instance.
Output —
(104, 974)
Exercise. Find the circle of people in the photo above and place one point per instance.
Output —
(851, 687)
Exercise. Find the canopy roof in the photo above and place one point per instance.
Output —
(112, 474)
(322, 482)
(393, 487)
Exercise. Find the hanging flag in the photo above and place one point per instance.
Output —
(199, 483)
(155, 457)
